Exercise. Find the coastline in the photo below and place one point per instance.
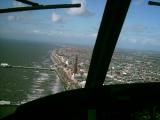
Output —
(68, 83)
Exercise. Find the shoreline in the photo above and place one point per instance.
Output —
(68, 83)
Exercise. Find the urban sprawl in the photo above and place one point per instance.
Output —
(127, 66)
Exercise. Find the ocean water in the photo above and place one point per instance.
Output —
(18, 86)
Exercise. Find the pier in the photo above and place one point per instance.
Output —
(5, 65)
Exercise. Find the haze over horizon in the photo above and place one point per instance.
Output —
(141, 29)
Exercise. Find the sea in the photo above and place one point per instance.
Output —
(18, 86)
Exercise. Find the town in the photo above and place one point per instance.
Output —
(127, 66)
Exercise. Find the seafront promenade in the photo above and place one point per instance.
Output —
(62, 73)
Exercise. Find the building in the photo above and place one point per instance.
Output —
(75, 66)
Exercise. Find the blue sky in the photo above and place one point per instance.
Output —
(141, 29)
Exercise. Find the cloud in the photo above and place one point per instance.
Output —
(57, 33)
(56, 18)
(11, 17)
(150, 41)
(138, 28)
(19, 16)
(17, 4)
(138, 2)
(140, 34)
(36, 31)
(82, 11)
(93, 35)
(139, 41)
(133, 40)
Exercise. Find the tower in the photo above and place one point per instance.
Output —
(75, 67)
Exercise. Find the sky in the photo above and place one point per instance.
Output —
(141, 29)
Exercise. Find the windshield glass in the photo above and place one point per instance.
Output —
(137, 54)
(44, 52)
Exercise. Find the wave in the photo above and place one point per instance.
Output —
(42, 77)
(3, 102)
(36, 71)
(57, 87)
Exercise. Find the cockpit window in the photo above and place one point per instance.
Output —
(44, 52)
(137, 54)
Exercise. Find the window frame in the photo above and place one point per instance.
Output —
(110, 28)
